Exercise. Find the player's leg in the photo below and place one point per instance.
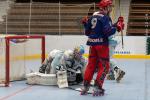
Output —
(110, 75)
(119, 73)
(56, 63)
(89, 71)
(103, 68)
(45, 67)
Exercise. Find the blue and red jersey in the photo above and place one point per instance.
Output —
(98, 28)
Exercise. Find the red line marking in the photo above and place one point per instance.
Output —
(15, 93)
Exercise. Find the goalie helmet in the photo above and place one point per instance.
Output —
(68, 54)
(105, 3)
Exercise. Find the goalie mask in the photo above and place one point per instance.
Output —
(68, 54)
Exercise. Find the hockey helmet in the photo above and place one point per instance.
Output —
(78, 51)
(105, 3)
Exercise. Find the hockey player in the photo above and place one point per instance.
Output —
(69, 60)
(98, 28)
(115, 73)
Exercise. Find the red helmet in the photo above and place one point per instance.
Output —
(105, 3)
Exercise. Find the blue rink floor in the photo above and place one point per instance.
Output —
(134, 86)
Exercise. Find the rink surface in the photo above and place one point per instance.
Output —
(134, 86)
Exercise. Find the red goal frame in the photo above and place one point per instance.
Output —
(7, 54)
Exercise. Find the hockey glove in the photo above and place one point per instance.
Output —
(84, 20)
(120, 24)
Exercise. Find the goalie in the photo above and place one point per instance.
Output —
(70, 61)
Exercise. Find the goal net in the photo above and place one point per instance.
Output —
(19, 57)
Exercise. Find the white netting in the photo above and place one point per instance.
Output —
(17, 61)
(2, 59)
(24, 58)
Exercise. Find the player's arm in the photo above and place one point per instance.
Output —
(87, 25)
(108, 29)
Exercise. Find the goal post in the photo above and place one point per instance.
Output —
(9, 54)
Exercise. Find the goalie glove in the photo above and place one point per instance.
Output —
(60, 68)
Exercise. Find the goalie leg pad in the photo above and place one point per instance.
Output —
(41, 79)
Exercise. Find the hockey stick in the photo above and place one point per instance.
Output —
(121, 29)
(79, 89)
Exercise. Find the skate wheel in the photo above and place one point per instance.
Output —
(101, 94)
(94, 94)
(83, 93)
